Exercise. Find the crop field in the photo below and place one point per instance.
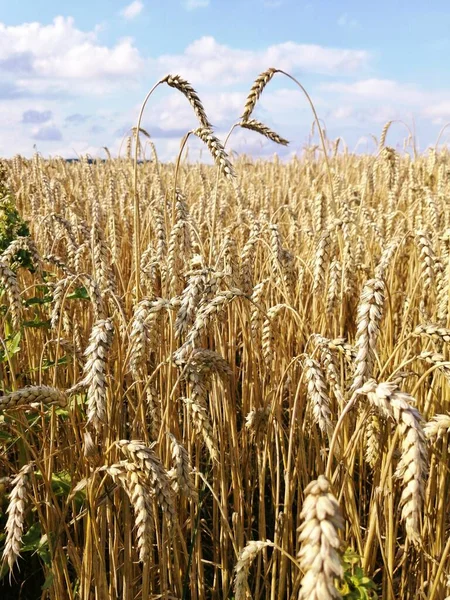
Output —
(227, 380)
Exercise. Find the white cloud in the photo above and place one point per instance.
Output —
(273, 3)
(374, 101)
(59, 56)
(193, 4)
(438, 111)
(376, 89)
(207, 60)
(346, 21)
(131, 11)
(62, 66)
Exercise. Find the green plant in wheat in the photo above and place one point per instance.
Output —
(12, 226)
(355, 584)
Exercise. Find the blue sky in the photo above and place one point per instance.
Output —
(74, 74)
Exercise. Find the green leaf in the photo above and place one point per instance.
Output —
(61, 483)
(38, 323)
(38, 300)
(48, 581)
(13, 345)
(80, 293)
(30, 541)
(48, 364)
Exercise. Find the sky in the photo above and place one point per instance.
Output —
(74, 75)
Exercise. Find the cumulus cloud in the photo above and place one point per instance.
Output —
(438, 111)
(207, 60)
(376, 89)
(132, 10)
(193, 4)
(48, 133)
(36, 116)
(58, 55)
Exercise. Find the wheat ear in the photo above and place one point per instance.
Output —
(185, 88)
(32, 397)
(255, 125)
(319, 554)
(255, 92)
(398, 406)
(16, 515)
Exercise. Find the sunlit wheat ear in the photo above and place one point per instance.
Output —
(190, 299)
(9, 281)
(204, 317)
(373, 440)
(58, 262)
(94, 379)
(321, 260)
(384, 133)
(334, 284)
(386, 258)
(434, 331)
(217, 151)
(26, 244)
(248, 259)
(254, 125)
(32, 397)
(318, 396)
(257, 420)
(329, 364)
(412, 467)
(427, 263)
(201, 423)
(269, 332)
(133, 480)
(185, 88)
(438, 427)
(146, 459)
(139, 335)
(246, 557)
(182, 469)
(255, 92)
(370, 311)
(435, 358)
(16, 515)
(319, 555)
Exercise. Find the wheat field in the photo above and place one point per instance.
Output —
(226, 381)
